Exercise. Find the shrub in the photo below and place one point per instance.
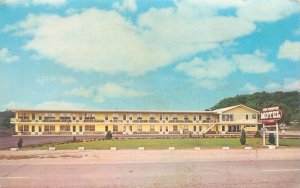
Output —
(74, 139)
(257, 134)
(243, 137)
(272, 139)
(20, 143)
(108, 135)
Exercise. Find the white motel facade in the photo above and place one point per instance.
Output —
(93, 122)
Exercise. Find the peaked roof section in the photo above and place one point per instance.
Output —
(221, 110)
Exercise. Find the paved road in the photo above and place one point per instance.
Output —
(210, 168)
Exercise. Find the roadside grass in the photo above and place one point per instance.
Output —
(183, 143)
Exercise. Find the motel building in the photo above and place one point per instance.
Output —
(90, 122)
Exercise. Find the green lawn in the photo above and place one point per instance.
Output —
(185, 143)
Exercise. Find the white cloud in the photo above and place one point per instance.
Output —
(212, 68)
(49, 2)
(80, 92)
(267, 11)
(253, 63)
(290, 50)
(114, 90)
(59, 79)
(287, 85)
(250, 88)
(55, 105)
(107, 90)
(6, 57)
(208, 72)
(35, 2)
(126, 5)
(61, 105)
(160, 37)
(252, 10)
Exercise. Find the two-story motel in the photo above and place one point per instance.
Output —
(90, 122)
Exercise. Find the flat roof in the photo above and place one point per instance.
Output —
(111, 111)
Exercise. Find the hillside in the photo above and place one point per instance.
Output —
(289, 101)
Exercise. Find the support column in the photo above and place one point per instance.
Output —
(264, 135)
(277, 135)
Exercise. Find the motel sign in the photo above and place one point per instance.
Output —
(270, 117)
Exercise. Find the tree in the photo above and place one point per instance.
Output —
(257, 134)
(20, 143)
(243, 137)
(108, 135)
(272, 139)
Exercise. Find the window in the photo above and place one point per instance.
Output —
(223, 128)
(234, 128)
(152, 128)
(167, 128)
(115, 116)
(23, 128)
(65, 116)
(106, 128)
(33, 116)
(23, 116)
(139, 128)
(175, 128)
(49, 116)
(200, 117)
(160, 117)
(74, 117)
(186, 117)
(227, 117)
(124, 128)
(246, 116)
(49, 128)
(253, 116)
(115, 128)
(152, 117)
(106, 117)
(130, 128)
(167, 117)
(124, 117)
(195, 128)
(208, 117)
(186, 127)
(89, 128)
(139, 116)
(130, 117)
(80, 117)
(89, 116)
(160, 129)
(40, 116)
(200, 128)
(194, 118)
(175, 117)
(64, 128)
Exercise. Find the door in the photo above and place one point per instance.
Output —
(106, 128)
(33, 129)
(74, 128)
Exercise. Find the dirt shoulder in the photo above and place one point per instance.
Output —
(148, 156)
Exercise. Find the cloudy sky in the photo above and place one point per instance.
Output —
(134, 54)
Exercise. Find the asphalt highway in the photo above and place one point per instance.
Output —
(210, 168)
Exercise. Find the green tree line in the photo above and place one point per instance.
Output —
(288, 101)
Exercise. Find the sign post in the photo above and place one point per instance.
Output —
(270, 117)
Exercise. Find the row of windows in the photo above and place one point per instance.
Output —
(69, 116)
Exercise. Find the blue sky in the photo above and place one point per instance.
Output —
(129, 54)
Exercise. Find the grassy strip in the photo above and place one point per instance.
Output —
(185, 143)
